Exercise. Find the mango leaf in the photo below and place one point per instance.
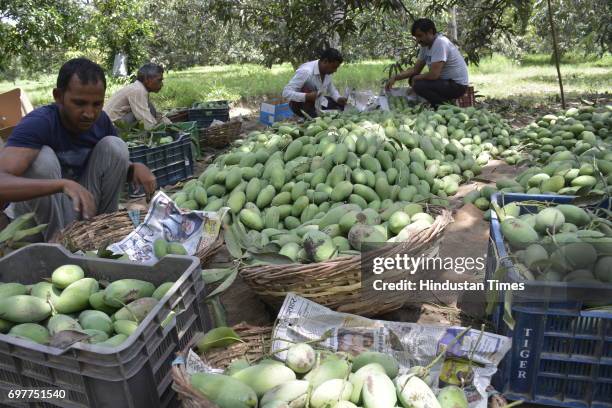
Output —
(67, 338)
(18, 223)
(587, 199)
(223, 286)
(218, 337)
(269, 248)
(269, 258)
(19, 235)
(482, 180)
(232, 243)
(103, 251)
(508, 319)
(492, 296)
(218, 312)
(215, 275)
(239, 231)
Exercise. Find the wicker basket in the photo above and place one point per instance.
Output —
(337, 283)
(256, 340)
(467, 99)
(179, 116)
(110, 228)
(220, 135)
(90, 235)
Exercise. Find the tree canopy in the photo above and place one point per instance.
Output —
(37, 35)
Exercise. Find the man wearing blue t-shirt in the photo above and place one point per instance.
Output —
(64, 161)
(447, 77)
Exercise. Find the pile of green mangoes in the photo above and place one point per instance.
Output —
(397, 102)
(321, 379)
(558, 242)
(571, 158)
(577, 130)
(211, 105)
(321, 189)
(72, 301)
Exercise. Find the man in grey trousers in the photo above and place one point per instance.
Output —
(64, 161)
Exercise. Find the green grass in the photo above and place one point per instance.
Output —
(497, 76)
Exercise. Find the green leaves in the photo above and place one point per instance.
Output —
(218, 337)
(223, 286)
(20, 228)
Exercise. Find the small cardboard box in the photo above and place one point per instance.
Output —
(274, 110)
(14, 105)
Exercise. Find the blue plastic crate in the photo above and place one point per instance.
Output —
(274, 111)
(170, 163)
(205, 116)
(561, 355)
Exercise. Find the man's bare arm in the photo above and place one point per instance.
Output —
(14, 162)
(418, 67)
(434, 72)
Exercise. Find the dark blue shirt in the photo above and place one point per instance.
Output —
(43, 127)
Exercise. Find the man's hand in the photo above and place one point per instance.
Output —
(141, 175)
(390, 83)
(311, 97)
(82, 200)
(341, 101)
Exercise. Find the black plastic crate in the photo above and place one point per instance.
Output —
(136, 374)
(170, 163)
(561, 354)
(205, 116)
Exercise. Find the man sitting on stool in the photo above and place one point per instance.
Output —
(447, 78)
(311, 88)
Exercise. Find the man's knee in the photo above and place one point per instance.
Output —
(419, 87)
(45, 166)
(114, 148)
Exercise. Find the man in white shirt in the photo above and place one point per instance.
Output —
(311, 89)
(132, 104)
(447, 77)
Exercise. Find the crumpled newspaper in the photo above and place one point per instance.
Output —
(193, 229)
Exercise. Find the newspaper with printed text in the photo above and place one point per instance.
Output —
(193, 229)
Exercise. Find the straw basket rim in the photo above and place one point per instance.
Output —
(83, 234)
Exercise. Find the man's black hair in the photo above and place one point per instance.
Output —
(424, 25)
(149, 70)
(331, 55)
(87, 71)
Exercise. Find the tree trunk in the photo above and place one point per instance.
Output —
(556, 52)
(452, 25)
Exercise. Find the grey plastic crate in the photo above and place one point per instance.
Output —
(135, 374)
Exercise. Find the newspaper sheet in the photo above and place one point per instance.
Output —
(363, 101)
(411, 344)
(195, 230)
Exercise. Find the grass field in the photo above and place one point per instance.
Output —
(497, 77)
